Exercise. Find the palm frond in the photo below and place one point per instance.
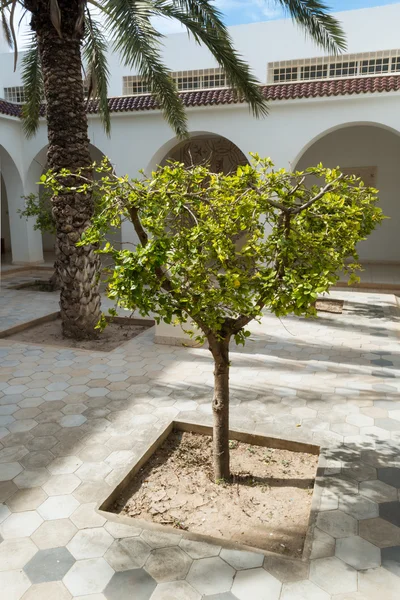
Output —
(203, 21)
(5, 24)
(139, 46)
(32, 79)
(313, 16)
(95, 57)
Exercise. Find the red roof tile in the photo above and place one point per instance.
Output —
(282, 91)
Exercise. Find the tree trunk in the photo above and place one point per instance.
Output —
(220, 405)
(77, 267)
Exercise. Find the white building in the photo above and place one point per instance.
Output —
(338, 110)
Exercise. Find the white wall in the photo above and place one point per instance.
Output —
(367, 146)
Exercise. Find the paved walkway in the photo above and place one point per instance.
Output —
(71, 421)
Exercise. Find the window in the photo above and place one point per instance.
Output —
(200, 79)
(374, 66)
(134, 85)
(343, 69)
(334, 67)
(285, 74)
(314, 72)
(15, 94)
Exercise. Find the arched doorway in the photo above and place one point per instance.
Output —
(372, 152)
(221, 154)
(20, 241)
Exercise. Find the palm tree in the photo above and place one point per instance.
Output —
(66, 34)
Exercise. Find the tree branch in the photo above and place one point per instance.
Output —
(324, 190)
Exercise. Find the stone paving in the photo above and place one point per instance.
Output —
(71, 421)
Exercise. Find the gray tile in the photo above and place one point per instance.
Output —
(126, 585)
(127, 553)
(210, 575)
(358, 553)
(390, 511)
(391, 559)
(88, 577)
(390, 475)
(49, 565)
(176, 590)
(168, 564)
(380, 533)
(337, 523)
(359, 506)
(239, 559)
(333, 575)
(199, 549)
(223, 596)
(303, 590)
(256, 584)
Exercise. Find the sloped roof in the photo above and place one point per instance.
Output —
(282, 91)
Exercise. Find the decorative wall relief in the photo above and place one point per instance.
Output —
(222, 155)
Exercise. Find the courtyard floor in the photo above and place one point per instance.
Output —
(71, 422)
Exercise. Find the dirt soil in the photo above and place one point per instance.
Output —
(330, 305)
(50, 333)
(266, 506)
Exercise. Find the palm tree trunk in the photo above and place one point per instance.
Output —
(77, 267)
(220, 405)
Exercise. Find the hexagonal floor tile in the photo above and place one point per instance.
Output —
(58, 507)
(125, 585)
(168, 564)
(390, 511)
(87, 516)
(88, 577)
(13, 584)
(127, 553)
(54, 534)
(390, 476)
(256, 584)
(358, 553)
(20, 524)
(239, 559)
(223, 596)
(333, 575)
(287, 570)
(9, 471)
(14, 554)
(54, 590)
(178, 590)
(391, 559)
(199, 549)
(378, 491)
(121, 530)
(379, 532)
(49, 565)
(26, 499)
(210, 575)
(159, 539)
(303, 590)
(90, 543)
(358, 506)
(378, 583)
(337, 523)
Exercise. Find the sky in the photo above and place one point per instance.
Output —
(251, 11)
(246, 11)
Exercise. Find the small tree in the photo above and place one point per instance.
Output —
(219, 249)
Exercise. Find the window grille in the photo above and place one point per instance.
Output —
(133, 85)
(15, 94)
(384, 62)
